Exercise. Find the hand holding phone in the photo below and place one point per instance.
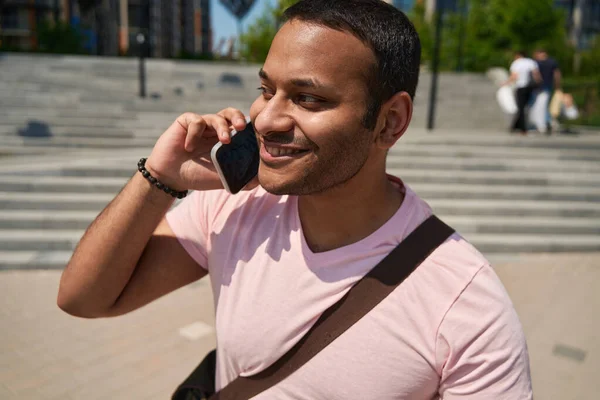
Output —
(237, 161)
(181, 157)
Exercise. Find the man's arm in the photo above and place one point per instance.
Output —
(481, 349)
(511, 79)
(128, 257)
(537, 76)
(557, 79)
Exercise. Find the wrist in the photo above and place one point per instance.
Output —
(155, 172)
(155, 179)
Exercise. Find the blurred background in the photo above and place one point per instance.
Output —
(86, 88)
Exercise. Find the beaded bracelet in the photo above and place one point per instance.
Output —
(155, 182)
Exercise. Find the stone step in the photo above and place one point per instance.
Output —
(52, 163)
(43, 219)
(407, 160)
(60, 122)
(21, 260)
(20, 151)
(510, 141)
(57, 122)
(62, 184)
(500, 224)
(78, 142)
(430, 191)
(12, 111)
(39, 240)
(515, 243)
(40, 129)
(64, 104)
(468, 151)
(54, 201)
(548, 178)
(516, 208)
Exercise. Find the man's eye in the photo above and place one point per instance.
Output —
(265, 92)
(304, 98)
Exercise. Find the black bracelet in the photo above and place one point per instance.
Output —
(155, 182)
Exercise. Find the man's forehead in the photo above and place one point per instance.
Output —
(304, 48)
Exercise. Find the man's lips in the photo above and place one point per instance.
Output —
(270, 153)
(281, 150)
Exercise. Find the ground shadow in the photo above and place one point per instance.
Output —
(36, 129)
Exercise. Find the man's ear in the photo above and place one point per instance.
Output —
(397, 113)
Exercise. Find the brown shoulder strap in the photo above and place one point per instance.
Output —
(360, 299)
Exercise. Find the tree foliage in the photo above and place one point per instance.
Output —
(257, 39)
(60, 38)
(485, 35)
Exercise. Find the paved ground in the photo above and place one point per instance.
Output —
(45, 354)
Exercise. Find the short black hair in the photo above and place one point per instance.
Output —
(384, 29)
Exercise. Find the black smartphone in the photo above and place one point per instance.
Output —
(237, 162)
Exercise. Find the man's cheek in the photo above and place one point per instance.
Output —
(255, 109)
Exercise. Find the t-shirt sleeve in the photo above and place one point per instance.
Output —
(189, 220)
(481, 349)
(533, 65)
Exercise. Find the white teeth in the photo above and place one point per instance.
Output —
(278, 151)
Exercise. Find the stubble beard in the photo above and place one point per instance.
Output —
(347, 158)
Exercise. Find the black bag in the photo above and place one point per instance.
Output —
(200, 385)
(375, 286)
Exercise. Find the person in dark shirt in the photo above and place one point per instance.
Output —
(551, 80)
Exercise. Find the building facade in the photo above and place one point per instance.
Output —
(404, 5)
(583, 20)
(19, 20)
(112, 27)
(583, 16)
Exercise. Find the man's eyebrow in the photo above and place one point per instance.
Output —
(306, 83)
(300, 82)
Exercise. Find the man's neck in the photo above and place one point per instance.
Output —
(348, 213)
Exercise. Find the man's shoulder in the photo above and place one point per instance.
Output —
(458, 258)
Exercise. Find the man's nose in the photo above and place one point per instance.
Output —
(274, 117)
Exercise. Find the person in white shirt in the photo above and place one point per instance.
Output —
(524, 73)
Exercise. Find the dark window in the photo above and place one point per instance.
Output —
(138, 16)
(14, 18)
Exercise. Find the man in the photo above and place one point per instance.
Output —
(335, 95)
(525, 75)
(551, 81)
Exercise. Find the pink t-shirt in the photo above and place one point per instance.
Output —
(448, 332)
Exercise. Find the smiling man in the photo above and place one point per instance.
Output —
(336, 94)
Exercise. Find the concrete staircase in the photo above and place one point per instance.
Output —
(72, 130)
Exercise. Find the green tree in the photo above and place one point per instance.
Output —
(424, 28)
(59, 38)
(496, 28)
(257, 39)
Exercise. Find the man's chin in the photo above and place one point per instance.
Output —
(278, 186)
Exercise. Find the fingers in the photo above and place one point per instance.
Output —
(235, 117)
(194, 126)
(197, 127)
